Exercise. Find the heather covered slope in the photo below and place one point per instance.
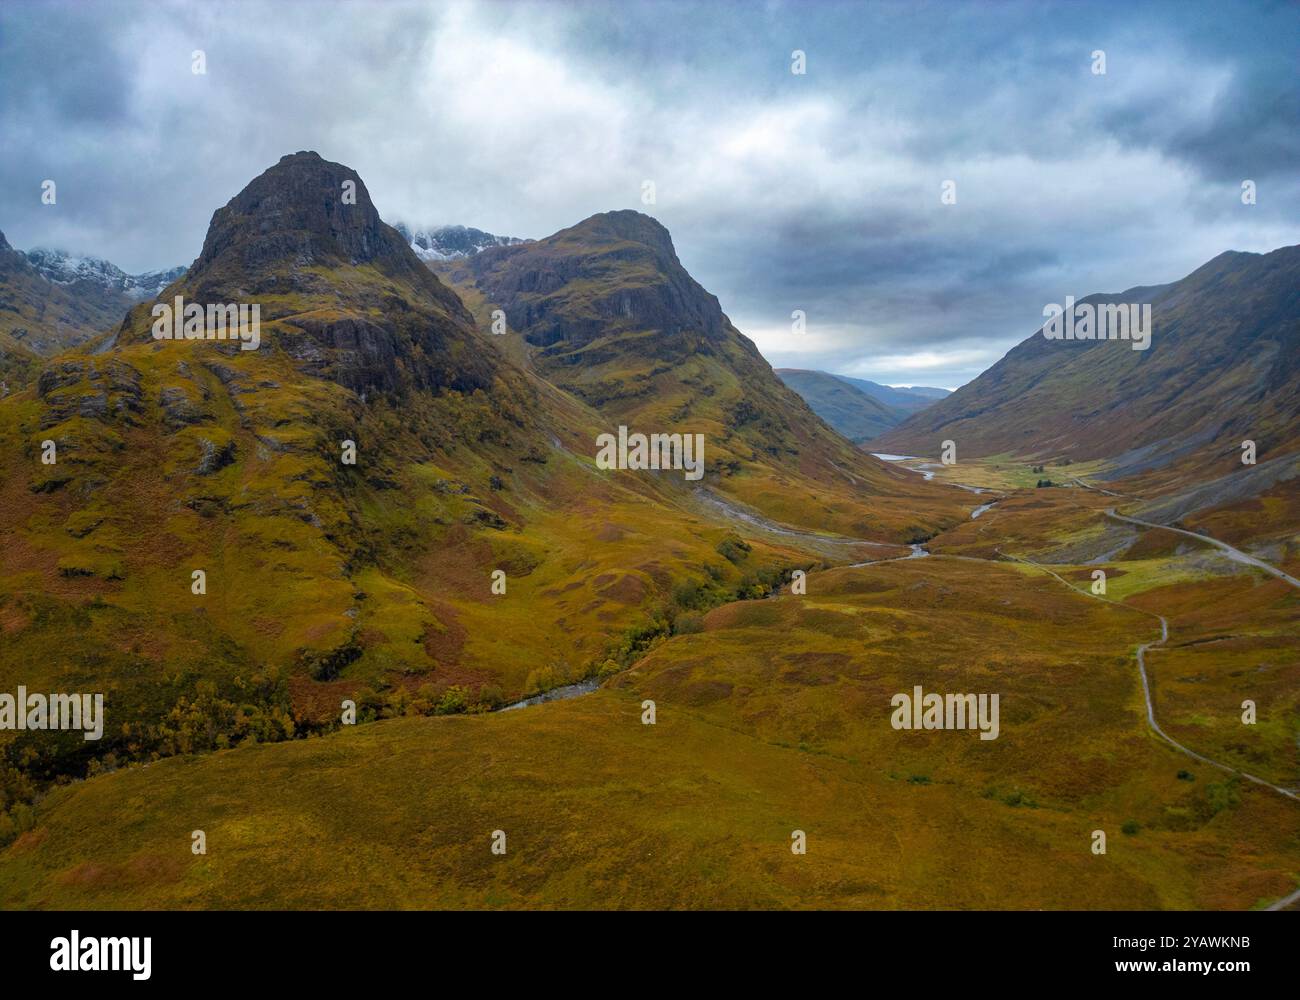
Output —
(846, 408)
(1223, 366)
(772, 716)
(17, 364)
(605, 311)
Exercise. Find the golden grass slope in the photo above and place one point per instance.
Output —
(773, 718)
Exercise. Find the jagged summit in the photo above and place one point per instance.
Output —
(64, 268)
(305, 211)
(442, 243)
(338, 289)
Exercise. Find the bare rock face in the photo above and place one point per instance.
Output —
(306, 212)
(346, 297)
(298, 210)
(613, 272)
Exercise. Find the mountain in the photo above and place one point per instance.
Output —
(203, 552)
(451, 242)
(856, 415)
(50, 301)
(908, 400)
(340, 291)
(85, 273)
(181, 455)
(925, 391)
(347, 492)
(605, 311)
(1223, 366)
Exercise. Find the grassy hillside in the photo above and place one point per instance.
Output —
(772, 718)
(1221, 367)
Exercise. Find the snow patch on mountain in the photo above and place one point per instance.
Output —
(66, 269)
(452, 242)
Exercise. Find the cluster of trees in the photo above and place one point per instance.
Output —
(683, 612)
(397, 702)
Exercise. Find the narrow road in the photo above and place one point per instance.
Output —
(1097, 489)
(1146, 683)
(1235, 554)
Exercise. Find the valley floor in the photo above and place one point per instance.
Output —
(775, 717)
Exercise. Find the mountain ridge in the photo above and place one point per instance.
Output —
(1222, 367)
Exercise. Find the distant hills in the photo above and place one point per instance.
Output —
(857, 408)
(851, 411)
(909, 399)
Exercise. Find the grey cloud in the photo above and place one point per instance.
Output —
(524, 118)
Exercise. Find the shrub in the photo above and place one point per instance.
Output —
(733, 548)
(454, 700)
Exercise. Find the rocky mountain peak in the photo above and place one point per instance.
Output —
(64, 268)
(303, 211)
(613, 271)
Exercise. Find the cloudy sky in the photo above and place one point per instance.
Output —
(818, 191)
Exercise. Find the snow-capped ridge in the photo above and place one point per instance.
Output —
(452, 242)
(64, 268)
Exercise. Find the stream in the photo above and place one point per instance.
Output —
(555, 694)
(755, 520)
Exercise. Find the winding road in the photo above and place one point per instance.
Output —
(1235, 554)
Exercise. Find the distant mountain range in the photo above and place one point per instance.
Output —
(51, 300)
(69, 269)
(909, 399)
(451, 242)
(857, 408)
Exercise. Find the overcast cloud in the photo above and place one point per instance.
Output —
(817, 192)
